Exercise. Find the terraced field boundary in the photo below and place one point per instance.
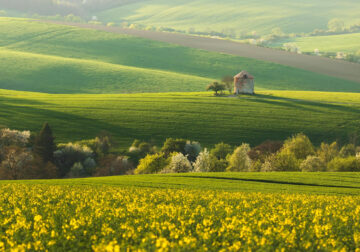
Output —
(336, 68)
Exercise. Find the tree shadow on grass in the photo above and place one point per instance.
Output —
(268, 181)
(288, 102)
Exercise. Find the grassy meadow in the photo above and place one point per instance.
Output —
(197, 116)
(324, 183)
(53, 58)
(234, 15)
(327, 44)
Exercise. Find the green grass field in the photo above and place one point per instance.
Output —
(348, 43)
(196, 116)
(277, 182)
(61, 59)
(236, 15)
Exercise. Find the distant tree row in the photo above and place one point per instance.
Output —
(28, 156)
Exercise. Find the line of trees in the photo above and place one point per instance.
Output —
(24, 155)
(297, 153)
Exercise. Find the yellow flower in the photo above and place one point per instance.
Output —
(37, 218)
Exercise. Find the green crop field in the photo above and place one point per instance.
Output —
(293, 182)
(197, 116)
(61, 59)
(235, 15)
(348, 43)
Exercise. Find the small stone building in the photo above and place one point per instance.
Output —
(244, 83)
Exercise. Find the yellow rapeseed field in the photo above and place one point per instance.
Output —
(106, 218)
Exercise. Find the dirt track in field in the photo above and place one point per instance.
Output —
(336, 68)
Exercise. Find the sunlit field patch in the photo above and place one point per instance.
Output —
(105, 218)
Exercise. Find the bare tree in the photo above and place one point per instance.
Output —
(14, 163)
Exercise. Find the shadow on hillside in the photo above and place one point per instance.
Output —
(268, 181)
(288, 102)
(28, 114)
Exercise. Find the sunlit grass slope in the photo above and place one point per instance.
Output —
(61, 59)
(348, 43)
(197, 116)
(237, 15)
(294, 182)
(55, 74)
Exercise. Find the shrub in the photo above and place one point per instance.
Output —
(152, 164)
(221, 150)
(239, 161)
(113, 165)
(281, 161)
(89, 166)
(328, 152)
(256, 166)
(347, 164)
(69, 154)
(313, 164)
(172, 145)
(10, 137)
(348, 150)
(265, 149)
(136, 143)
(336, 25)
(300, 145)
(145, 147)
(192, 150)
(267, 166)
(76, 170)
(178, 164)
(101, 145)
(40, 170)
(139, 150)
(203, 162)
(218, 165)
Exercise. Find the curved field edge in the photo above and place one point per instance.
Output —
(321, 65)
(276, 182)
(116, 55)
(273, 115)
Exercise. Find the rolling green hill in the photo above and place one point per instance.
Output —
(55, 74)
(275, 182)
(236, 16)
(54, 58)
(196, 116)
